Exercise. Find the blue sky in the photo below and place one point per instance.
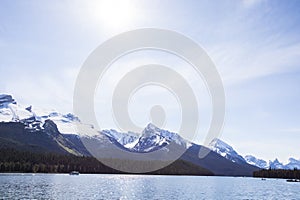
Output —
(255, 45)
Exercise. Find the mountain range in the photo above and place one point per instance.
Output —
(228, 152)
(27, 129)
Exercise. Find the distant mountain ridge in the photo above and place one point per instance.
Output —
(228, 152)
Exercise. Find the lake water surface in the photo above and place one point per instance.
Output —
(88, 186)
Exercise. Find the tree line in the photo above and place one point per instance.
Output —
(277, 173)
(12, 160)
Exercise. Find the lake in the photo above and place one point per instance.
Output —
(88, 186)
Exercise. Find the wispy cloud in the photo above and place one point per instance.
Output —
(238, 63)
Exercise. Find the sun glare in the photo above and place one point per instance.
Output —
(113, 13)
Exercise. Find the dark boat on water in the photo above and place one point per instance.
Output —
(74, 173)
(293, 180)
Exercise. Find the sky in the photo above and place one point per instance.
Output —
(255, 45)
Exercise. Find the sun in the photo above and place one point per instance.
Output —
(113, 13)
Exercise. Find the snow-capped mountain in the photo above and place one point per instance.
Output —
(226, 151)
(151, 139)
(154, 138)
(34, 118)
(229, 153)
(293, 163)
(256, 162)
(276, 164)
(10, 111)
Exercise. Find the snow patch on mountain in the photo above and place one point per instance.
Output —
(229, 153)
(127, 140)
(152, 138)
(226, 151)
(256, 162)
(11, 111)
(276, 164)
(293, 163)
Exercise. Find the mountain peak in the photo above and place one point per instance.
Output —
(225, 150)
(150, 129)
(217, 143)
(276, 164)
(151, 126)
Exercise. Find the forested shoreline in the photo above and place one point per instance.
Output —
(12, 160)
(29, 162)
(277, 173)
